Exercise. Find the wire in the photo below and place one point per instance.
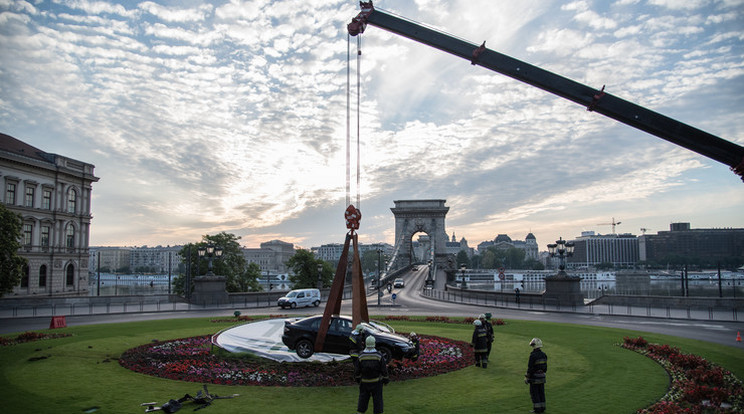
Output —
(359, 93)
(348, 119)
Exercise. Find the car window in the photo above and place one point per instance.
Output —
(292, 294)
(301, 295)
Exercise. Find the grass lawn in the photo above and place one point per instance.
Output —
(588, 373)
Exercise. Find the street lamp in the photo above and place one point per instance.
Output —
(320, 276)
(561, 249)
(379, 261)
(210, 251)
(463, 285)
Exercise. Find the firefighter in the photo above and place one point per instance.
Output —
(416, 344)
(480, 344)
(485, 320)
(535, 376)
(356, 344)
(371, 374)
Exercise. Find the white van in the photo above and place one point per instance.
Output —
(300, 297)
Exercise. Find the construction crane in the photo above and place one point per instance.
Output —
(614, 223)
(669, 129)
(644, 230)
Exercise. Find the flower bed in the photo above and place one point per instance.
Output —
(697, 386)
(191, 359)
(30, 337)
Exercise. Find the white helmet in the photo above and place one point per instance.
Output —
(536, 343)
(370, 342)
(477, 322)
(482, 316)
(359, 328)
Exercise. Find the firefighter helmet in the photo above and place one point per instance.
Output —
(536, 343)
(477, 322)
(370, 342)
(482, 316)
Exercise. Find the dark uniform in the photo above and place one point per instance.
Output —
(480, 346)
(536, 369)
(356, 346)
(371, 374)
(489, 330)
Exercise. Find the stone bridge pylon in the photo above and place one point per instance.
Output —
(415, 216)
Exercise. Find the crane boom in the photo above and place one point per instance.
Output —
(669, 129)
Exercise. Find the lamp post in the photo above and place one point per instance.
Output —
(320, 276)
(379, 261)
(561, 249)
(210, 251)
(463, 284)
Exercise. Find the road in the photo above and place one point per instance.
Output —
(409, 302)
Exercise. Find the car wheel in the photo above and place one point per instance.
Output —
(293, 305)
(387, 355)
(304, 348)
(316, 303)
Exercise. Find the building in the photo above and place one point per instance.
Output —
(52, 193)
(111, 259)
(620, 250)
(272, 256)
(503, 241)
(332, 252)
(682, 244)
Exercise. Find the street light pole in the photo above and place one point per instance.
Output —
(320, 276)
(561, 249)
(379, 260)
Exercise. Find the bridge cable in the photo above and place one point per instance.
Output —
(348, 119)
(359, 93)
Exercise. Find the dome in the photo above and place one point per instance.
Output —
(530, 236)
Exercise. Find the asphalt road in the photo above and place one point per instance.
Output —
(409, 302)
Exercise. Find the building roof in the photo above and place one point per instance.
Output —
(18, 147)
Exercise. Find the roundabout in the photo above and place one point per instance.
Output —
(252, 354)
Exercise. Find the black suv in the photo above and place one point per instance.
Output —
(299, 335)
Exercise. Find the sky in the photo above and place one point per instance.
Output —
(202, 117)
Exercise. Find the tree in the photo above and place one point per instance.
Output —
(231, 264)
(370, 260)
(463, 259)
(11, 264)
(304, 267)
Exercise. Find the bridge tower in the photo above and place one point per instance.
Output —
(414, 216)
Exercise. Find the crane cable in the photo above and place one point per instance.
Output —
(348, 121)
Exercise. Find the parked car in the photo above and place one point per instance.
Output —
(399, 283)
(300, 297)
(299, 336)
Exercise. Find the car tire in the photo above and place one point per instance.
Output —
(304, 348)
(387, 354)
(293, 305)
(281, 306)
(316, 303)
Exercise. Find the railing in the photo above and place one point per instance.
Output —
(538, 303)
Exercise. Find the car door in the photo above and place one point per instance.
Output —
(337, 339)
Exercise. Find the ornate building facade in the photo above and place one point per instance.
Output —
(52, 193)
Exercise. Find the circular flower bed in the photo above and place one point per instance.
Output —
(697, 385)
(191, 359)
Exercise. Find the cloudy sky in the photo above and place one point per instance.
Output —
(203, 117)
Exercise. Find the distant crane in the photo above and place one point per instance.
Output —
(644, 230)
(614, 223)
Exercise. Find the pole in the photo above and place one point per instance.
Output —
(187, 287)
(687, 283)
(682, 279)
(169, 273)
(99, 273)
(720, 288)
(379, 260)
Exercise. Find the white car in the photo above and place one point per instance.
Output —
(399, 283)
(300, 297)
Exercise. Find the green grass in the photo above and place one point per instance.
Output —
(587, 373)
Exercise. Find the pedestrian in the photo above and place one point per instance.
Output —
(480, 344)
(486, 321)
(516, 294)
(535, 376)
(371, 374)
(356, 344)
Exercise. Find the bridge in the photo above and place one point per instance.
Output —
(421, 216)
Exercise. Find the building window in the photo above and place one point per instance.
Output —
(70, 279)
(10, 193)
(71, 200)
(29, 202)
(45, 236)
(42, 276)
(28, 230)
(46, 199)
(70, 236)
(24, 278)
